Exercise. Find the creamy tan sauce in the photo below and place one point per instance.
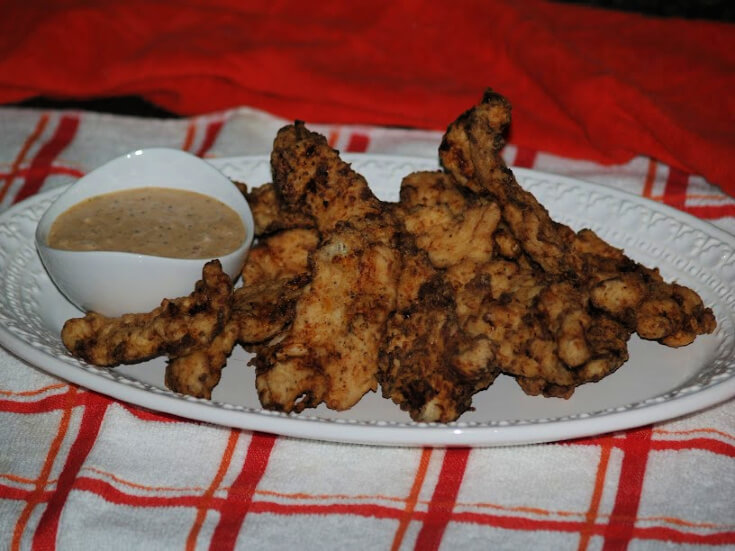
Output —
(151, 220)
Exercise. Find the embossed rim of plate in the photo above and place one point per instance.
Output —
(683, 400)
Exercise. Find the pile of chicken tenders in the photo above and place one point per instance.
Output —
(429, 299)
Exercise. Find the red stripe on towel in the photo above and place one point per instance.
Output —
(675, 191)
(210, 136)
(525, 157)
(94, 413)
(443, 500)
(636, 447)
(41, 164)
(240, 496)
(358, 143)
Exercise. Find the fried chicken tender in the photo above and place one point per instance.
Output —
(175, 328)
(269, 213)
(274, 277)
(429, 366)
(329, 353)
(594, 297)
(639, 297)
(197, 373)
(470, 152)
(310, 178)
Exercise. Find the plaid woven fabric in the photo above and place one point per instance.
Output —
(81, 471)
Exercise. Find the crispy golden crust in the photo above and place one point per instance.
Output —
(175, 328)
(565, 316)
(310, 178)
(331, 348)
(283, 254)
(198, 372)
(273, 278)
(470, 152)
(329, 353)
(429, 366)
(265, 309)
(271, 215)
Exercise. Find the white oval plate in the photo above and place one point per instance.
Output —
(656, 384)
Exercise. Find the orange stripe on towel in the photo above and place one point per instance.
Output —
(413, 497)
(191, 540)
(594, 508)
(36, 496)
(189, 139)
(333, 137)
(650, 179)
(34, 392)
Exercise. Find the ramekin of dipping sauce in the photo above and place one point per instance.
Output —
(140, 228)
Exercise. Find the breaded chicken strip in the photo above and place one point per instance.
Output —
(311, 178)
(595, 295)
(274, 276)
(197, 373)
(279, 255)
(429, 366)
(470, 152)
(639, 297)
(175, 328)
(269, 213)
(330, 352)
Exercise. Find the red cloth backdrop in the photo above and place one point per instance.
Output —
(584, 82)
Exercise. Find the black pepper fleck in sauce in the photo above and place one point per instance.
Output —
(151, 220)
